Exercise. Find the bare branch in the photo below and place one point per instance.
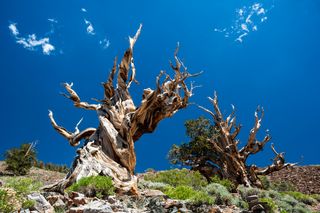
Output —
(75, 137)
(76, 99)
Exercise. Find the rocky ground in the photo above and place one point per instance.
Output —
(305, 179)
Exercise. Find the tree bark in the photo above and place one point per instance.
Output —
(109, 149)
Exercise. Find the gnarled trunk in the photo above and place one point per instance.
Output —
(109, 148)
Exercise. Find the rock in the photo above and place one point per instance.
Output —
(79, 201)
(258, 208)
(59, 204)
(184, 210)
(73, 195)
(112, 199)
(252, 198)
(152, 193)
(41, 204)
(215, 209)
(96, 206)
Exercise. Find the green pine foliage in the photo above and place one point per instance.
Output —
(20, 160)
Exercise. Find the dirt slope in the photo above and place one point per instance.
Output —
(306, 179)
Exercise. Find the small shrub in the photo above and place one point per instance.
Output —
(224, 182)
(271, 204)
(59, 209)
(23, 186)
(28, 204)
(202, 198)
(180, 192)
(281, 186)
(20, 160)
(98, 186)
(245, 192)
(144, 184)
(5, 205)
(270, 194)
(265, 182)
(307, 199)
(177, 177)
(223, 196)
(316, 196)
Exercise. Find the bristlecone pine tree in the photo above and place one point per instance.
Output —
(213, 149)
(109, 149)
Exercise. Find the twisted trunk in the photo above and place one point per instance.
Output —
(109, 149)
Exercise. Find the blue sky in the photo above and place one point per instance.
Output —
(252, 53)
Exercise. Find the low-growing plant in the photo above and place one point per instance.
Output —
(307, 199)
(221, 194)
(180, 192)
(245, 192)
(5, 205)
(224, 182)
(270, 203)
(23, 186)
(202, 198)
(282, 186)
(178, 177)
(98, 186)
(145, 184)
(316, 196)
(28, 204)
(265, 181)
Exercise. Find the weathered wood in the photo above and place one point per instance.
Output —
(109, 148)
(231, 160)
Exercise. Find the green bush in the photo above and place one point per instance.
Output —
(224, 182)
(180, 192)
(307, 199)
(188, 193)
(222, 195)
(177, 177)
(145, 184)
(98, 186)
(284, 202)
(266, 184)
(23, 186)
(281, 186)
(202, 198)
(271, 204)
(5, 205)
(28, 204)
(245, 192)
(20, 160)
(316, 196)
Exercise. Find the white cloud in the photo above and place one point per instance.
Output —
(14, 30)
(83, 10)
(105, 43)
(90, 29)
(31, 42)
(52, 20)
(247, 19)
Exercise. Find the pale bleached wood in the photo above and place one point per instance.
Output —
(109, 149)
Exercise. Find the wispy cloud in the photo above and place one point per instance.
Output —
(105, 43)
(52, 20)
(90, 29)
(31, 42)
(247, 20)
(14, 30)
